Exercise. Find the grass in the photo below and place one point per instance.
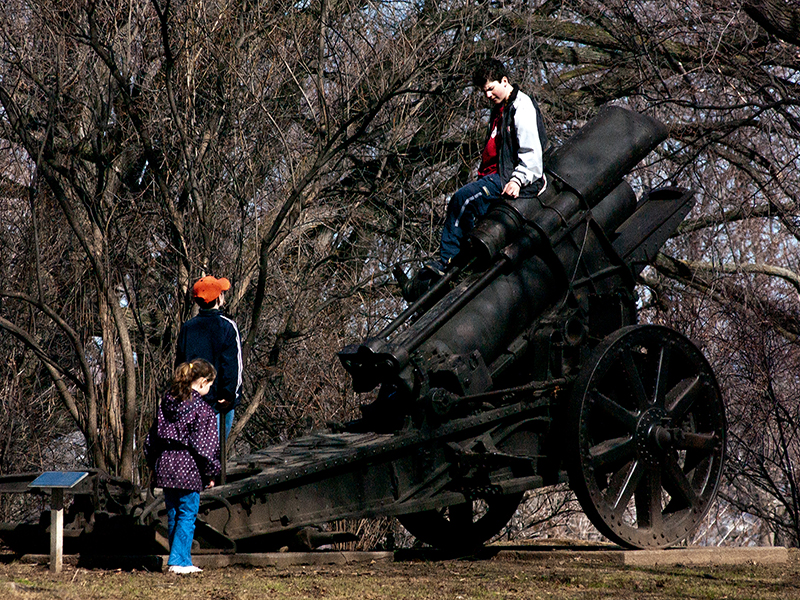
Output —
(449, 579)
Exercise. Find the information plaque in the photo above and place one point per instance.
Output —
(64, 480)
(57, 482)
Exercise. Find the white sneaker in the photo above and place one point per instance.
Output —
(177, 569)
(184, 570)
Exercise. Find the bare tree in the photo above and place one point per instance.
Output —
(303, 149)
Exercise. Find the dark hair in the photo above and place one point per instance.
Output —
(185, 373)
(490, 69)
(206, 305)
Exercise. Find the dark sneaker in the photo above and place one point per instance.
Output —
(435, 267)
(417, 285)
(414, 287)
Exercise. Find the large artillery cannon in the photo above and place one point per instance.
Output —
(523, 367)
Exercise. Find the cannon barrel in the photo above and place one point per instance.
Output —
(530, 252)
(517, 297)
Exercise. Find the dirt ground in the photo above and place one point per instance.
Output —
(451, 579)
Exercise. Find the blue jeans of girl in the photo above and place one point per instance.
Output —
(182, 507)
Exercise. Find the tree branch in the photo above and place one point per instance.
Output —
(778, 17)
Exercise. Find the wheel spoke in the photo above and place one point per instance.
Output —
(648, 501)
(634, 378)
(612, 454)
(659, 393)
(677, 484)
(694, 459)
(623, 486)
(614, 410)
(684, 398)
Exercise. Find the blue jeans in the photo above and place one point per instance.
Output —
(466, 206)
(228, 423)
(182, 507)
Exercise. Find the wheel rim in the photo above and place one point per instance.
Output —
(464, 526)
(647, 433)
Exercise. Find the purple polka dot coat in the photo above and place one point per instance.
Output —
(182, 447)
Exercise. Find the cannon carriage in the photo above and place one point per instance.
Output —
(547, 318)
(523, 367)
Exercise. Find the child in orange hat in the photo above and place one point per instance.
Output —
(213, 336)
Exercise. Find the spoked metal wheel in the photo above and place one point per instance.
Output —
(646, 437)
(462, 526)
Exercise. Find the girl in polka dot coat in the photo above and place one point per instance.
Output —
(182, 449)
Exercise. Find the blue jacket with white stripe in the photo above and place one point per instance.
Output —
(214, 337)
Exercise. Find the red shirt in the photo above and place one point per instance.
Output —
(489, 163)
